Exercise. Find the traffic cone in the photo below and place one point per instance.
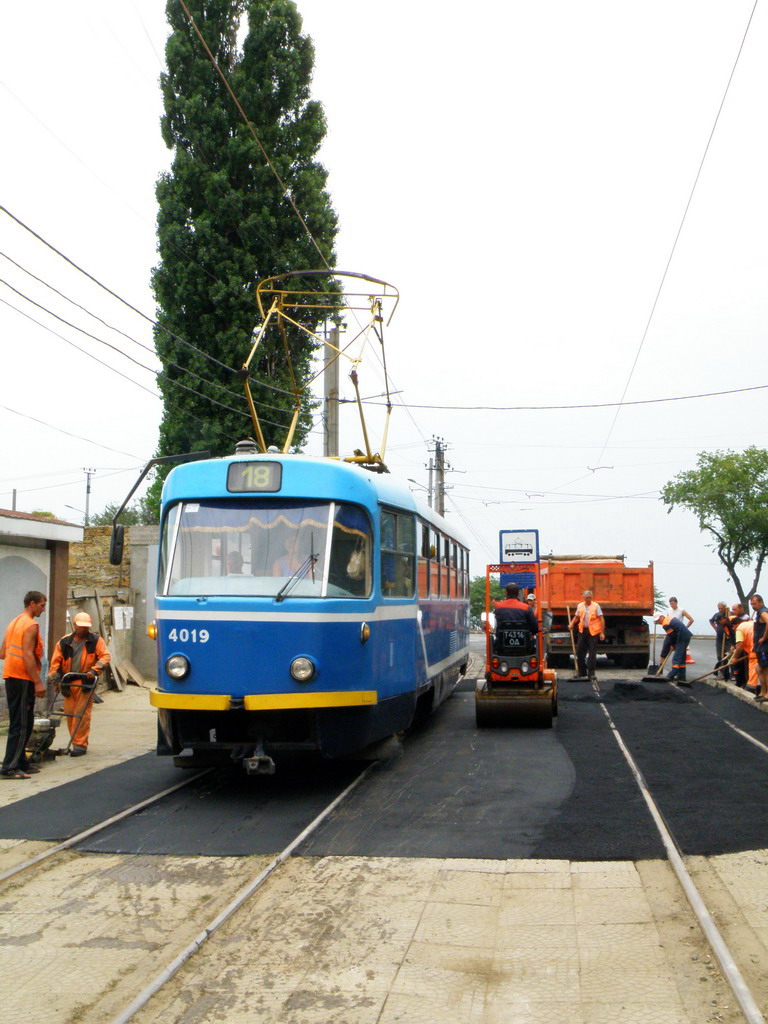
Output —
(688, 659)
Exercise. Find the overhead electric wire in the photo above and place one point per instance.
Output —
(112, 369)
(70, 483)
(60, 430)
(155, 323)
(85, 352)
(586, 405)
(105, 184)
(114, 348)
(679, 232)
(101, 362)
(146, 348)
(109, 291)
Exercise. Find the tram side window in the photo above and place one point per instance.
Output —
(350, 571)
(434, 563)
(423, 572)
(166, 539)
(445, 551)
(454, 570)
(398, 554)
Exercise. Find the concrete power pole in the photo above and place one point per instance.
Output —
(88, 474)
(440, 467)
(331, 389)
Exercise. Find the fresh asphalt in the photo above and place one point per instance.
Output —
(455, 791)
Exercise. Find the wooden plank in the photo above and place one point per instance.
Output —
(133, 672)
(116, 669)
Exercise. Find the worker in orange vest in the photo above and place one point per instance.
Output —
(22, 654)
(591, 622)
(744, 660)
(81, 651)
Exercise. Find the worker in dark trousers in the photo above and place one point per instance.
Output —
(22, 654)
(591, 622)
(721, 623)
(760, 638)
(677, 639)
(513, 611)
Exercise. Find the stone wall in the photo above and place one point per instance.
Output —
(89, 562)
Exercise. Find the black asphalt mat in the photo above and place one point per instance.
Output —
(231, 814)
(605, 817)
(456, 791)
(75, 806)
(498, 793)
(710, 784)
(225, 813)
(743, 713)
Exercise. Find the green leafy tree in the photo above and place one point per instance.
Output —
(224, 222)
(477, 598)
(728, 494)
(140, 513)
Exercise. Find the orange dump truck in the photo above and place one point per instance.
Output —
(625, 595)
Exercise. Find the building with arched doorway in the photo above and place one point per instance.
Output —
(34, 555)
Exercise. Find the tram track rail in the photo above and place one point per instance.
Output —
(167, 973)
(723, 954)
(169, 970)
(100, 826)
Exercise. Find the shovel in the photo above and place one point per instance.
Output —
(653, 668)
(658, 674)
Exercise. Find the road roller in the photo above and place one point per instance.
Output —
(518, 689)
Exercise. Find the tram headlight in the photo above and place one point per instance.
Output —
(302, 670)
(177, 666)
(503, 668)
(525, 668)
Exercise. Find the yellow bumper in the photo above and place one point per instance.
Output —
(263, 702)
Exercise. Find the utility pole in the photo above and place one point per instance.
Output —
(331, 390)
(430, 492)
(440, 469)
(88, 474)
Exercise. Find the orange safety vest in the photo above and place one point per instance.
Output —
(13, 666)
(593, 619)
(747, 628)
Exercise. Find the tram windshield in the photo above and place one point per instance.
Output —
(265, 549)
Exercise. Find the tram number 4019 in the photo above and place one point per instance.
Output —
(184, 636)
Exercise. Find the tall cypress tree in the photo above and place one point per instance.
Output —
(224, 222)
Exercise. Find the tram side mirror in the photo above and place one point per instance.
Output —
(116, 542)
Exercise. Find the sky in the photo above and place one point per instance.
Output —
(537, 181)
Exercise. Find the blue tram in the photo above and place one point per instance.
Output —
(302, 604)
